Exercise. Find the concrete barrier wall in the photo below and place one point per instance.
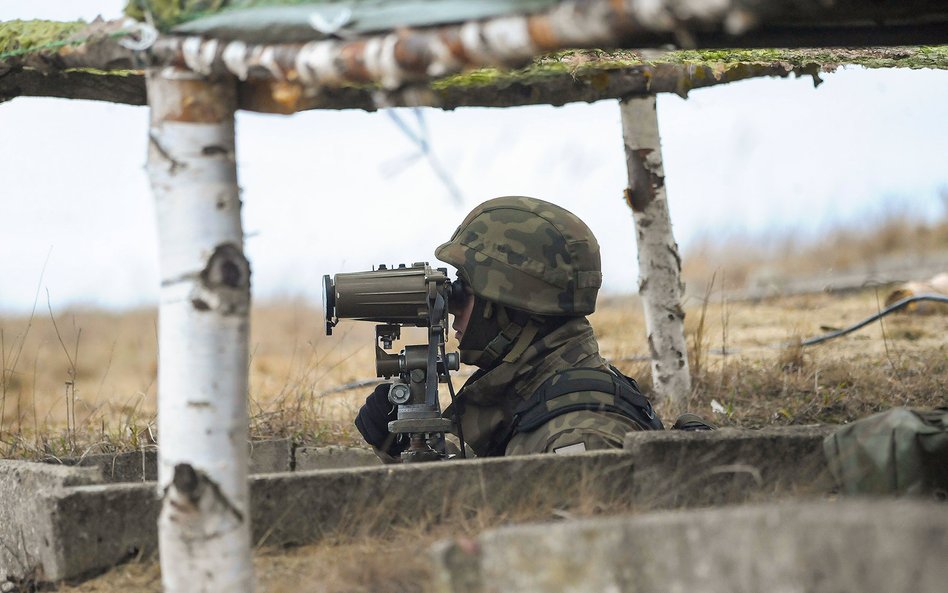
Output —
(303, 507)
(677, 469)
(98, 526)
(92, 525)
(271, 456)
(882, 546)
(309, 458)
(29, 541)
(306, 506)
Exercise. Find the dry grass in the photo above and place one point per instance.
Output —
(744, 355)
(896, 236)
(386, 565)
(764, 377)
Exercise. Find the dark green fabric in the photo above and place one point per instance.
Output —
(902, 451)
(287, 21)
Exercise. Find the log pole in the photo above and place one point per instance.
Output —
(204, 525)
(659, 262)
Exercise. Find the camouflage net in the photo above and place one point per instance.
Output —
(273, 21)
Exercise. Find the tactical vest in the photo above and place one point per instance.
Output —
(573, 390)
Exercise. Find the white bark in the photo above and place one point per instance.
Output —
(659, 263)
(204, 527)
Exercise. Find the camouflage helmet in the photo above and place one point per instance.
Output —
(529, 255)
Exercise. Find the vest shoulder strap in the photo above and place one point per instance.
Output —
(595, 390)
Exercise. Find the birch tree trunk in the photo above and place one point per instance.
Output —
(204, 526)
(659, 263)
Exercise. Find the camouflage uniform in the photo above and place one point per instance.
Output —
(534, 257)
(490, 397)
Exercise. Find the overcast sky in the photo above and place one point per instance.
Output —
(331, 191)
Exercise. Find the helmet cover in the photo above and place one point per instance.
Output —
(527, 254)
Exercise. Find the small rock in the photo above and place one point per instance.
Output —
(7, 587)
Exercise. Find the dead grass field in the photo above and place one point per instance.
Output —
(895, 237)
(91, 385)
(87, 383)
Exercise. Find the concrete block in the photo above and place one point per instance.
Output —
(134, 466)
(310, 458)
(266, 457)
(28, 538)
(272, 456)
(676, 469)
(97, 527)
(857, 546)
(303, 507)
(91, 527)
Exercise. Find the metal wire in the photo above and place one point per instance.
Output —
(840, 332)
(890, 309)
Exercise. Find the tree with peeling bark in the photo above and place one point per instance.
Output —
(204, 525)
(659, 261)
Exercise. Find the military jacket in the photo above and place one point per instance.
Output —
(489, 398)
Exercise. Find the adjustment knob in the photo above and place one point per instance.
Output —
(399, 393)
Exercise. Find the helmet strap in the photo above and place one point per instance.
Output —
(527, 334)
(502, 341)
(510, 342)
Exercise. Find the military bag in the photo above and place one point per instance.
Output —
(902, 451)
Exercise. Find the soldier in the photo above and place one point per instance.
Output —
(531, 272)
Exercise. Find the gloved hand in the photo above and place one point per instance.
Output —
(373, 420)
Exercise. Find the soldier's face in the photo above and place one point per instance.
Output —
(462, 316)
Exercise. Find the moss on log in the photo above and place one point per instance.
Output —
(100, 69)
(20, 37)
(589, 64)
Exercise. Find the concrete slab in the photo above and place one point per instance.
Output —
(135, 466)
(92, 526)
(28, 538)
(677, 469)
(303, 507)
(310, 458)
(271, 456)
(96, 527)
(881, 546)
(307, 506)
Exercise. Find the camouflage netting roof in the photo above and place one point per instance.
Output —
(288, 21)
(39, 58)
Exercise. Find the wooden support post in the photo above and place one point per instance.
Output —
(659, 263)
(204, 526)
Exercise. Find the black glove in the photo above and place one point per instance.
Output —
(373, 420)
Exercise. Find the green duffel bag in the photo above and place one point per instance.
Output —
(902, 451)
